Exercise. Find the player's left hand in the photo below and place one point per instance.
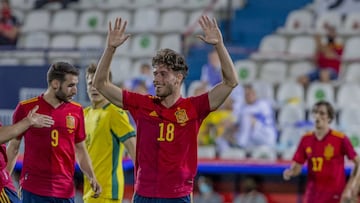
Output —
(95, 187)
(212, 33)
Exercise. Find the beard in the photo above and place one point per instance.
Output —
(164, 91)
(61, 96)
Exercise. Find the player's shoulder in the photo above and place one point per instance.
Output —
(75, 104)
(337, 133)
(113, 108)
(29, 101)
(308, 134)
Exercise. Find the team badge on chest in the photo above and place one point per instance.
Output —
(329, 152)
(181, 116)
(70, 122)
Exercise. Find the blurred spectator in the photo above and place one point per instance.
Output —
(255, 124)
(211, 71)
(250, 193)
(206, 192)
(40, 3)
(327, 58)
(9, 25)
(145, 78)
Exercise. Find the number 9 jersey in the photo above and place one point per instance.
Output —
(49, 157)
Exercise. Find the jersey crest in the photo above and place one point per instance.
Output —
(181, 116)
(70, 122)
(308, 151)
(329, 152)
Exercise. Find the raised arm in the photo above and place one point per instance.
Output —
(102, 83)
(218, 94)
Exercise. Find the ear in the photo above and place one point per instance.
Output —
(179, 78)
(55, 84)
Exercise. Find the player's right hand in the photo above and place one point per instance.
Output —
(287, 174)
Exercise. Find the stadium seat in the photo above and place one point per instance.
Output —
(145, 19)
(271, 47)
(352, 73)
(38, 20)
(192, 24)
(297, 22)
(263, 153)
(349, 118)
(114, 4)
(264, 90)
(297, 69)
(195, 84)
(348, 95)
(173, 20)
(9, 61)
(90, 41)
(351, 49)
(246, 69)
(57, 24)
(90, 21)
(23, 5)
(318, 92)
(328, 18)
(121, 68)
(36, 40)
(290, 92)
(166, 4)
(171, 41)
(351, 25)
(143, 45)
(289, 115)
(113, 14)
(63, 41)
(208, 152)
(6, 116)
(301, 47)
(273, 72)
(196, 4)
(353, 134)
(233, 154)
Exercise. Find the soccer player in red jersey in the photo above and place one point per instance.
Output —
(49, 157)
(33, 119)
(324, 151)
(167, 124)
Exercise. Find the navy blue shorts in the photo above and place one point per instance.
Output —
(315, 75)
(8, 196)
(28, 197)
(141, 199)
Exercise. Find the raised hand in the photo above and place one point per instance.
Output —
(117, 36)
(39, 120)
(212, 33)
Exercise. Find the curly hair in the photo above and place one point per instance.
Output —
(173, 60)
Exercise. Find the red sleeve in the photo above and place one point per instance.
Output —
(201, 104)
(349, 149)
(80, 135)
(18, 115)
(300, 156)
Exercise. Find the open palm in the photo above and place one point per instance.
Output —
(212, 34)
(117, 36)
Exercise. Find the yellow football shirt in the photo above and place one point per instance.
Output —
(106, 130)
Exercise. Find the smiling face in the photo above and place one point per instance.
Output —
(166, 81)
(66, 90)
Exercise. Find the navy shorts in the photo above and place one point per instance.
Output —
(141, 199)
(28, 197)
(8, 196)
(315, 75)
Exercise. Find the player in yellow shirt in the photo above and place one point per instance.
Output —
(108, 130)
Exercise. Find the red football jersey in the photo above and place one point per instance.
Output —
(49, 157)
(166, 156)
(325, 163)
(5, 178)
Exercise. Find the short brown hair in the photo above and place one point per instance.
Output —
(172, 59)
(91, 69)
(328, 106)
(58, 70)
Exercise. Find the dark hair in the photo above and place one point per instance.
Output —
(173, 60)
(329, 108)
(91, 69)
(58, 70)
